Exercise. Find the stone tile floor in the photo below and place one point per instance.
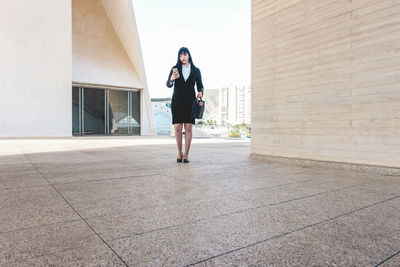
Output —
(126, 202)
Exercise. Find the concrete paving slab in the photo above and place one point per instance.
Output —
(387, 185)
(175, 247)
(120, 195)
(32, 206)
(247, 227)
(292, 190)
(67, 244)
(86, 255)
(17, 179)
(133, 204)
(143, 220)
(65, 175)
(111, 188)
(362, 238)
(18, 166)
(242, 228)
(12, 159)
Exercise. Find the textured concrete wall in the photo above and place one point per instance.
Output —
(35, 68)
(326, 80)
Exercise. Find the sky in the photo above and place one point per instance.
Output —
(217, 33)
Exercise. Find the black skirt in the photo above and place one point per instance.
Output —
(182, 114)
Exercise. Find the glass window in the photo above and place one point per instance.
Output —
(135, 110)
(118, 113)
(89, 114)
(75, 110)
(94, 111)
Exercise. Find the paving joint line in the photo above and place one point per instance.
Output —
(234, 194)
(107, 179)
(200, 220)
(231, 213)
(388, 258)
(22, 187)
(51, 253)
(38, 226)
(76, 212)
(20, 170)
(293, 231)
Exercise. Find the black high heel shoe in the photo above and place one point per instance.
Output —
(180, 160)
(185, 160)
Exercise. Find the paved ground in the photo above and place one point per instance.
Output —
(125, 201)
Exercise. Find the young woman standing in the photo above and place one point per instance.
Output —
(183, 76)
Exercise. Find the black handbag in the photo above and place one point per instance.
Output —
(198, 108)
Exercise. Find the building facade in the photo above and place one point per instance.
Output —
(235, 104)
(72, 67)
(325, 80)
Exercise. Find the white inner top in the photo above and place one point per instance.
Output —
(186, 71)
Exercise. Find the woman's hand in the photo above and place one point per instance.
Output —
(174, 76)
(199, 94)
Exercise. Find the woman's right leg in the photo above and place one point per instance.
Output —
(178, 136)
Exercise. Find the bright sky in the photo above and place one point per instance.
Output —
(217, 33)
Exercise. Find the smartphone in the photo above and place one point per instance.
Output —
(175, 70)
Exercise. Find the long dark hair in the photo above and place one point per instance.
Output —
(183, 50)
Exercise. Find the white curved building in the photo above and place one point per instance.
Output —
(163, 118)
(72, 67)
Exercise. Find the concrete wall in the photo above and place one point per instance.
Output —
(106, 50)
(35, 68)
(98, 56)
(326, 81)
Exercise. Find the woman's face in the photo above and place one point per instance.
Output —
(184, 57)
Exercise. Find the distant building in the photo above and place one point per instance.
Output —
(235, 104)
(223, 105)
(247, 105)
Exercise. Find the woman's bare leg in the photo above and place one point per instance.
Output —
(188, 139)
(178, 136)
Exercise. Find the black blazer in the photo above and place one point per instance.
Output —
(184, 92)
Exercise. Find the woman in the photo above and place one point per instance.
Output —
(183, 76)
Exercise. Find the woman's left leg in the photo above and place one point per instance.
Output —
(188, 139)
